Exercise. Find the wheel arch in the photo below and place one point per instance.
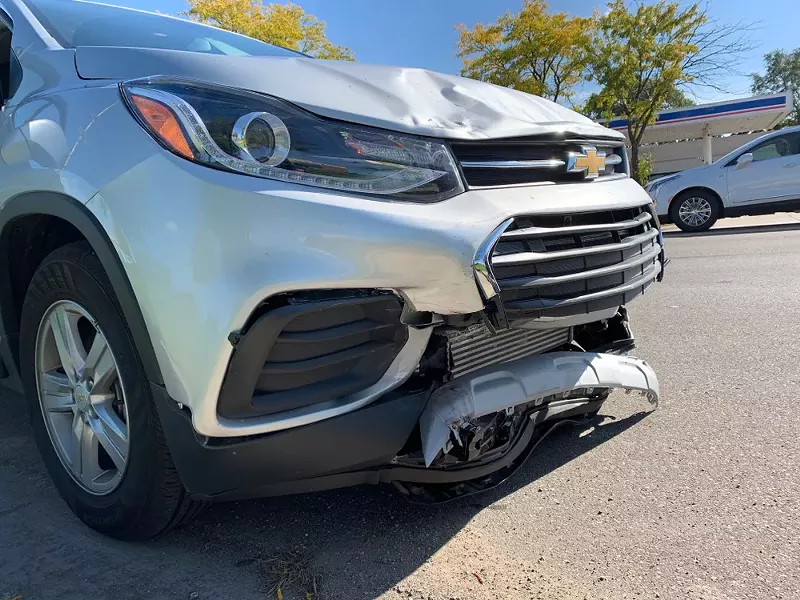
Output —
(45, 221)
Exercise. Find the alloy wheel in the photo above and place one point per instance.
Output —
(82, 397)
(695, 211)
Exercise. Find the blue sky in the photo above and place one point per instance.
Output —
(421, 33)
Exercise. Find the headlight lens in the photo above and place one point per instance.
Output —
(265, 137)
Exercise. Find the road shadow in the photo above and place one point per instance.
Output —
(361, 542)
(735, 230)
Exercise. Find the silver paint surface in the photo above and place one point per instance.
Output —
(202, 248)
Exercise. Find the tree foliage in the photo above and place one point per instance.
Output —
(645, 168)
(782, 73)
(676, 98)
(644, 55)
(533, 51)
(597, 110)
(286, 25)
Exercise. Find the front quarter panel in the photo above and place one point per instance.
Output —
(66, 141)
(711, 177)
(57, 149)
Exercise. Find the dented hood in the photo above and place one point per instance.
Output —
(410, 100)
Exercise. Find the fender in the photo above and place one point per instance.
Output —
(72, 211)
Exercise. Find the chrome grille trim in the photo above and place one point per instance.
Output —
(477, 347)
(515, 164)
(537, 160)
(532, 231)
(481, 264)
(646, 277)
(543, 280)
(527, 257)
(540, 271)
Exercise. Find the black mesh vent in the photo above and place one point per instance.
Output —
(312, 352)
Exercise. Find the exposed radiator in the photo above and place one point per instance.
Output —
(476, 347)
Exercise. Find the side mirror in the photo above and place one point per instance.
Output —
(744, 160)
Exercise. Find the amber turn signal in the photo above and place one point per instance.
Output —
(163, 122)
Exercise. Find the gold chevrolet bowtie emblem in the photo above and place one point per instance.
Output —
(588, 161)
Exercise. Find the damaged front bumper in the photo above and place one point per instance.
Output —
(531, 379)
(411, 436)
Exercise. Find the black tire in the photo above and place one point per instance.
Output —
(695, 196)
(150, 498)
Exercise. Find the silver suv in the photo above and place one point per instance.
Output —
(230, 270)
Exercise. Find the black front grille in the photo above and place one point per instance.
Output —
(307, 353)
(479, 160)
(563, 265)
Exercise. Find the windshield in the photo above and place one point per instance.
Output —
(74, 24)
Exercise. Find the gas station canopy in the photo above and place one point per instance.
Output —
(719, 118)
(682, 138)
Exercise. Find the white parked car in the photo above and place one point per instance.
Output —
(760, 177)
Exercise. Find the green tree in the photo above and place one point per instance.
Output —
(286, 25)
(645, 54)
(674, 99)
(782, 73)
(533, 51)
(645, 167)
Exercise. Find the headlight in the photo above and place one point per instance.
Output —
(262, 136)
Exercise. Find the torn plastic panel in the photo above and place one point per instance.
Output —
(456, 404)
(541, 422)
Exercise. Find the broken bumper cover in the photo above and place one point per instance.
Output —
(533, 378)
(362, 446)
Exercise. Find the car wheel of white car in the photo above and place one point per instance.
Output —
(695, 211)
(90, 403)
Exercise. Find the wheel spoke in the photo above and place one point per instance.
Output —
(112, 433)
(56, 392)
(82, 398)
(65, 332)
(58, 403)
(72, 443)
(99, 365)
(89, 458)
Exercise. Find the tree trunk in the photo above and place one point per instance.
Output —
(635, 161)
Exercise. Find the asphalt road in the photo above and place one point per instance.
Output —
(699, 499)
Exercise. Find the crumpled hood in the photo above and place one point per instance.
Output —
(410, 100)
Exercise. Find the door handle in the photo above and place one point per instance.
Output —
(790, 165)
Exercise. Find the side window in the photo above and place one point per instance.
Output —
(777, 147)
(9, 66)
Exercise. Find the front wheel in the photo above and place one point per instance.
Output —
(695, 211)
(90, 403)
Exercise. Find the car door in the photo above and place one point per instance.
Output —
(773, 176)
